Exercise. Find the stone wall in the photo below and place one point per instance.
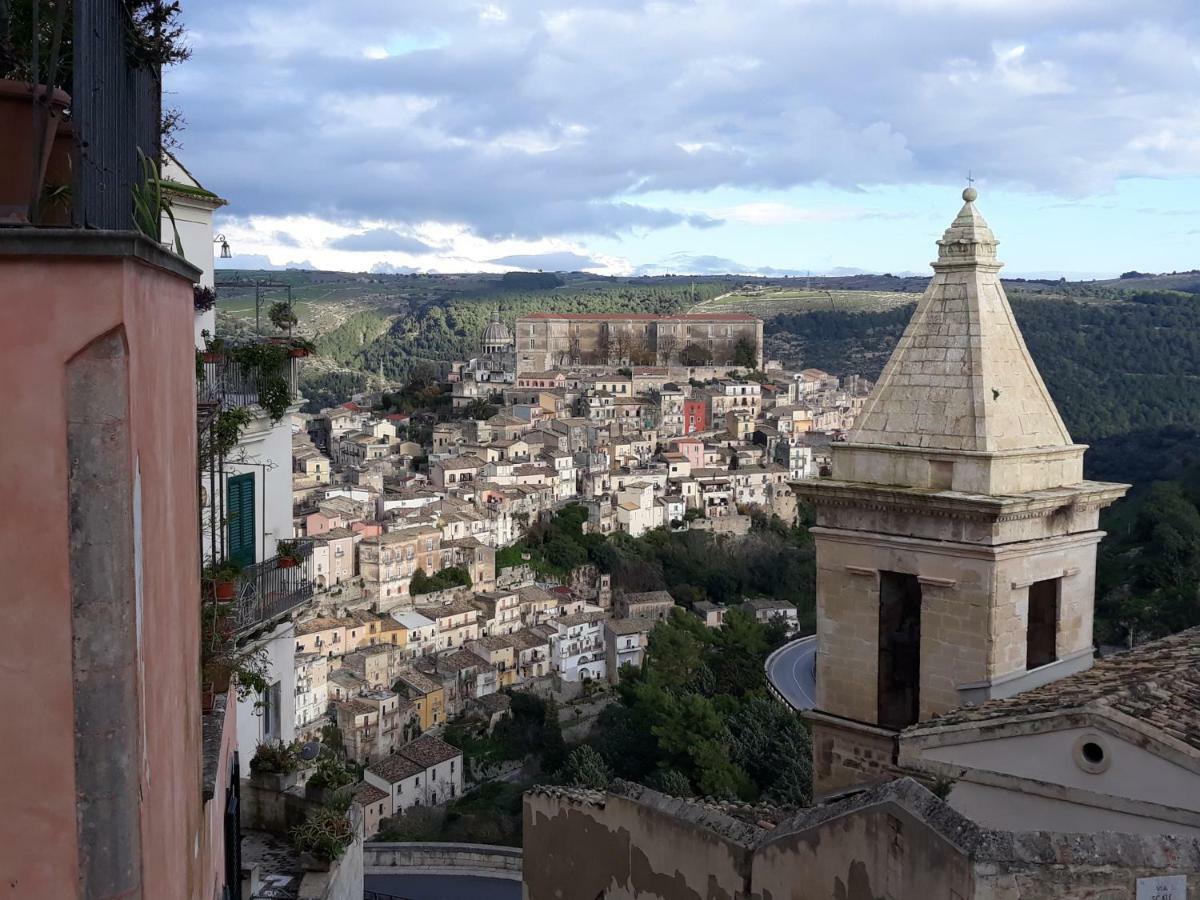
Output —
(895, 840)
(497, 862)
(344, 880)
(848, 754)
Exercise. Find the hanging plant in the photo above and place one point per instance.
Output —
(267, 362)
(203, 298)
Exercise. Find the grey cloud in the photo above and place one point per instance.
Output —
(284, 239)
(380, 240)
(549, 123)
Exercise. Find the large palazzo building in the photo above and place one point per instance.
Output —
(956, 540)
(552, 340)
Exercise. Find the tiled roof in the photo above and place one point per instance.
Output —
(365, 794)
(649, 597)
(1157, 684)
(396, 768)
(428, 751)
(419, 682)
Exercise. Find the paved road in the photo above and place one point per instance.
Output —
(443, 887)
(793, 672)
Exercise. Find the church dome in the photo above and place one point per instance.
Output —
(496, 338)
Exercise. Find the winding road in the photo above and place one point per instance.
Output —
(792, 671)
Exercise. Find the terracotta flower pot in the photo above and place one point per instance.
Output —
(224, 590)
(24, 152)
(286, 563)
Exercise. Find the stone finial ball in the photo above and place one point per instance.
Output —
(970, 194)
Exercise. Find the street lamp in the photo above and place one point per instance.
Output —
(220, 239)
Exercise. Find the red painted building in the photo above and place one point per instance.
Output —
(695, 416)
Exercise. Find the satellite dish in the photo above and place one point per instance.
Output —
(310, 751)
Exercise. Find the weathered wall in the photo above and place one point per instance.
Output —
(618, 848)
(880, 852)
(846, 754)
(50, 308)
(894, 841)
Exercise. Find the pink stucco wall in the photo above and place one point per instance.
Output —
(50, 308)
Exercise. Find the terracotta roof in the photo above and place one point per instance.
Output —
(419, 682)
(428, 751)
(1157, 684)
(365, 794)
(396, 768)
(649, 597)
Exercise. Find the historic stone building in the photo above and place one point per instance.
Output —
(550, 340)
(956, 540)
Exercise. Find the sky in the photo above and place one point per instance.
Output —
(748, 136)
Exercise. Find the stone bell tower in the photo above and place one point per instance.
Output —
(956, 539)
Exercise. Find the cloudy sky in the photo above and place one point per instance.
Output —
(713, 135)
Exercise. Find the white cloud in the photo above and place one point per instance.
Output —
(521, 121)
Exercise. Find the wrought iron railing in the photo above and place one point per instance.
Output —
(271, 589)
(233, 384)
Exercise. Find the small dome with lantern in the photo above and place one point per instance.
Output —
(496, 338)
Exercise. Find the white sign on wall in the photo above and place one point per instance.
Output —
(1167, 887)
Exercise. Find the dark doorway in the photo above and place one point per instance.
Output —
(899, 649)
(1041, 634)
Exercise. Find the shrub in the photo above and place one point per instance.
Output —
(325, 833)
(276, 757)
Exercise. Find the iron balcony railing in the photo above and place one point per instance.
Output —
(268, 591)
(233, 384)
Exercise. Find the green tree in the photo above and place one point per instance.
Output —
(585, 767)
(745, 353)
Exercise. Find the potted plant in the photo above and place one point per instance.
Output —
(223, 578)
(34, 128)
(30, 104)
(288, 554)
(323, 836)
(332, 781)
(275, 765)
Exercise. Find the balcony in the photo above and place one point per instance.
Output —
(248, 375)
(269, 591)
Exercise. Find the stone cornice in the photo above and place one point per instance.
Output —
(951, 504)
(81, 242)
(956, 548)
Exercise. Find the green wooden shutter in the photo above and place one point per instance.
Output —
(239, 504)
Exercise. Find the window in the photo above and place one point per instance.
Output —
(898, 688)
(1041, 629)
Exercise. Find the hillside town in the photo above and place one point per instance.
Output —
(467, 537)
(411, 617)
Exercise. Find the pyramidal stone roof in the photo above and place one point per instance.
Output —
(961, 377)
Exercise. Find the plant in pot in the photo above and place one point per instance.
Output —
(220, 581)
(31, 53)
(324, 835)
(288, 553)
(275, 765)
(332, 779)
(37, 54)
